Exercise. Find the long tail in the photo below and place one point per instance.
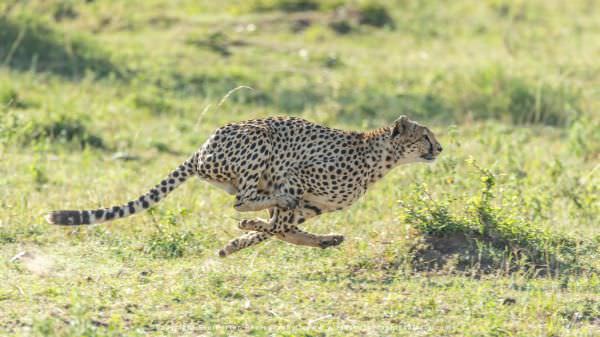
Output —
(159, 192)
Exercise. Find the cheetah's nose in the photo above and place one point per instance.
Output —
(439, 148)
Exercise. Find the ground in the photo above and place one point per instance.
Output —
(99, 100)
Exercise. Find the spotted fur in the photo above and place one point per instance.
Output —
(293, 168)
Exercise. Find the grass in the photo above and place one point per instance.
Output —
(100, 99)
(30, 44)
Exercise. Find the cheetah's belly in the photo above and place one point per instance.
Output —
(228, 187)
(326, 203)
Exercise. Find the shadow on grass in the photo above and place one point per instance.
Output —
(27, 44)
(475, 253)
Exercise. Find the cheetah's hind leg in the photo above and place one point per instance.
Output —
(258, 225)
(250, 198)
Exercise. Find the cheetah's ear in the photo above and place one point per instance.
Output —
(400, 126)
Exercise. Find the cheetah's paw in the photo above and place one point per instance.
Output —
(252, 225)
(331, 240)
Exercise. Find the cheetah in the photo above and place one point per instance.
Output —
(288, 166)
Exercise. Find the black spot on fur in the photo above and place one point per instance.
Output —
(85, 217)
(313, 208)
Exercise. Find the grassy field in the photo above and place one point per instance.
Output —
(500, 237)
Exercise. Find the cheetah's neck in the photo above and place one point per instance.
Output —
(379, 157)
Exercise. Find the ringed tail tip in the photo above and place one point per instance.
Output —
(64, 218)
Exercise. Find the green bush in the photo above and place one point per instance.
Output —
(63, 10)
(285, 5)
(7, 236)
(66, 129)
(168, 241)
(28, 43)
(488, 236)
(376, 15)
(169, 245)
(57, 129)
(341, 26)
(10, 98)
(584, 138)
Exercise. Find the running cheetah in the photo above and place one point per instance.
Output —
(291, 167)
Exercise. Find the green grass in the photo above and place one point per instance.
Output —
(100, 99)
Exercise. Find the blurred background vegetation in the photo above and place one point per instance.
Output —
(100, 99)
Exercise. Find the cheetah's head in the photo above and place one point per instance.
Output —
(413, 142)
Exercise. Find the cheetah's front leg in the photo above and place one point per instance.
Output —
(299, 237)
(244, 241)
(283, 225)
(293, 234)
